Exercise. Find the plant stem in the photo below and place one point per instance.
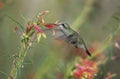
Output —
(84, 14)
(17, 62)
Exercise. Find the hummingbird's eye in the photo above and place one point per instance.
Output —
(65, 25)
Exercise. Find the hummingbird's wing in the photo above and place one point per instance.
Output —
(77, 41)
(81, 44)
(61, 30)
(59, 34)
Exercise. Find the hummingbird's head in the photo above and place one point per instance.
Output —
(64, 26)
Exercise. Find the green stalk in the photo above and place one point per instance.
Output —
(84, 15)
(17, 62)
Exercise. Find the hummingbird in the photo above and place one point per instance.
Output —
(73, 37)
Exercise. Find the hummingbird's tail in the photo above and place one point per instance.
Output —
(88, 52)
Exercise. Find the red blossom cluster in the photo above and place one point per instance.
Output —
(33, 28)
(85, 70)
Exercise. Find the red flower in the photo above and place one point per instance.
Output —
(39, 30)
(39, 16)
(50, 26)
(85, 70)
(28, 29)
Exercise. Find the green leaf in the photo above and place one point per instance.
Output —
(1, 72)
(21, 26)
(24, 18)
(31, 33)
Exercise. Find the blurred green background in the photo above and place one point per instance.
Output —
(92, 18)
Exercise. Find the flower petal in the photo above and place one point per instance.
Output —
(50, 25)
(38, 37)
(44, 36)
(37, 28)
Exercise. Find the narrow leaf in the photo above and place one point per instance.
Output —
(24, 18)
(21, 26)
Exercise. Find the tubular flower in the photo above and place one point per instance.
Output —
(86, 70)
(28, 29)
(50, 26)
(43, 13)
(40, 16)
(39, 30)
